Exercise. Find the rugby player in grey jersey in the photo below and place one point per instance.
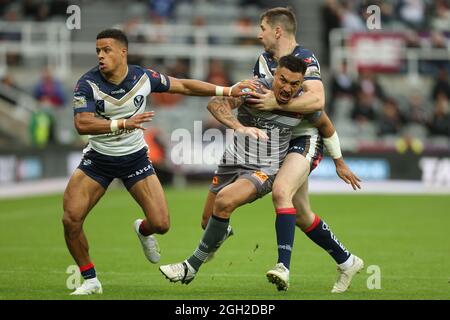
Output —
(249, 164)
(290, 188)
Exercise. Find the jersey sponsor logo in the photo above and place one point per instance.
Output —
(140, 171)
(79, 102)
(100, 106)
(163, 80)
(122, 90)
(261, 176)
(138, 100)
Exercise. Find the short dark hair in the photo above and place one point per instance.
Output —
(293, 63)
(281, 16)
(116, 34)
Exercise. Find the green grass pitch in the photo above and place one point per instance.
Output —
(407, 237)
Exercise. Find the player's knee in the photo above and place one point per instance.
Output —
(224, 205)
(70, 223)
(280, 195)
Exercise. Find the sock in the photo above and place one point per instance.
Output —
(346, 264)
(214, 233)
(143, 228)
(88, 271)
(285, 229)
(321, 234)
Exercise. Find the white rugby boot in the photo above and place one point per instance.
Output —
(181, 271)
(89, 286)
(345, 277)
(279, 276)
(149, 244)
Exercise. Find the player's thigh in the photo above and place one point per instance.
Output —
(208, 208)
(149, 194)
(234, 195)
(291, 176)
(80, 196)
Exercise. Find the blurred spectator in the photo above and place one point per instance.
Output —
(350, 20)
(130, 29)
(390, 121)
(11, 16)
(441, 19)
(417, 113)
(439, 41)
(200, 22)
(364, 109)
(162, 9)
(412, 13)
(217, 74)
(49, 91)
(369, 85)
(330, 20)
(440, 121)
(342, 86)
(441, 85)
(246, 36)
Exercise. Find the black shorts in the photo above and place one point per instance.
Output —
(129, 168)
(311, 147)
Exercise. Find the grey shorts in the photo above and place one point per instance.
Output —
(227, 175)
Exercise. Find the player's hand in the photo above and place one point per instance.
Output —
(136, 121)
(238, 89)
(344, 172)
(253, 132)
(265, 101)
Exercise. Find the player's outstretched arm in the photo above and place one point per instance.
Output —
(331, 142)
(312, 100)
(192, 87)
(87, 123)
(221, 108)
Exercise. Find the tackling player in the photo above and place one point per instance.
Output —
(290, 189)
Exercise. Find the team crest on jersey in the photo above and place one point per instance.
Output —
(138, 100)
(100, 106)
(79, 102)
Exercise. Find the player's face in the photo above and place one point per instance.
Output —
(286, 84)
(110, 54)
(267, 36)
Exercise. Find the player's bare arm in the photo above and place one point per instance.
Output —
(193, 87)
(312, 100)
(87, 123)
(221, 108)
(331, 141)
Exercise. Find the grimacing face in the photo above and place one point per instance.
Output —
(110, 54)
(267, 36)
(286, 84)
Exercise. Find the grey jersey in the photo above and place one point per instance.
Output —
(250, 153)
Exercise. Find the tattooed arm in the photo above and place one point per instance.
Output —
(221, 108)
